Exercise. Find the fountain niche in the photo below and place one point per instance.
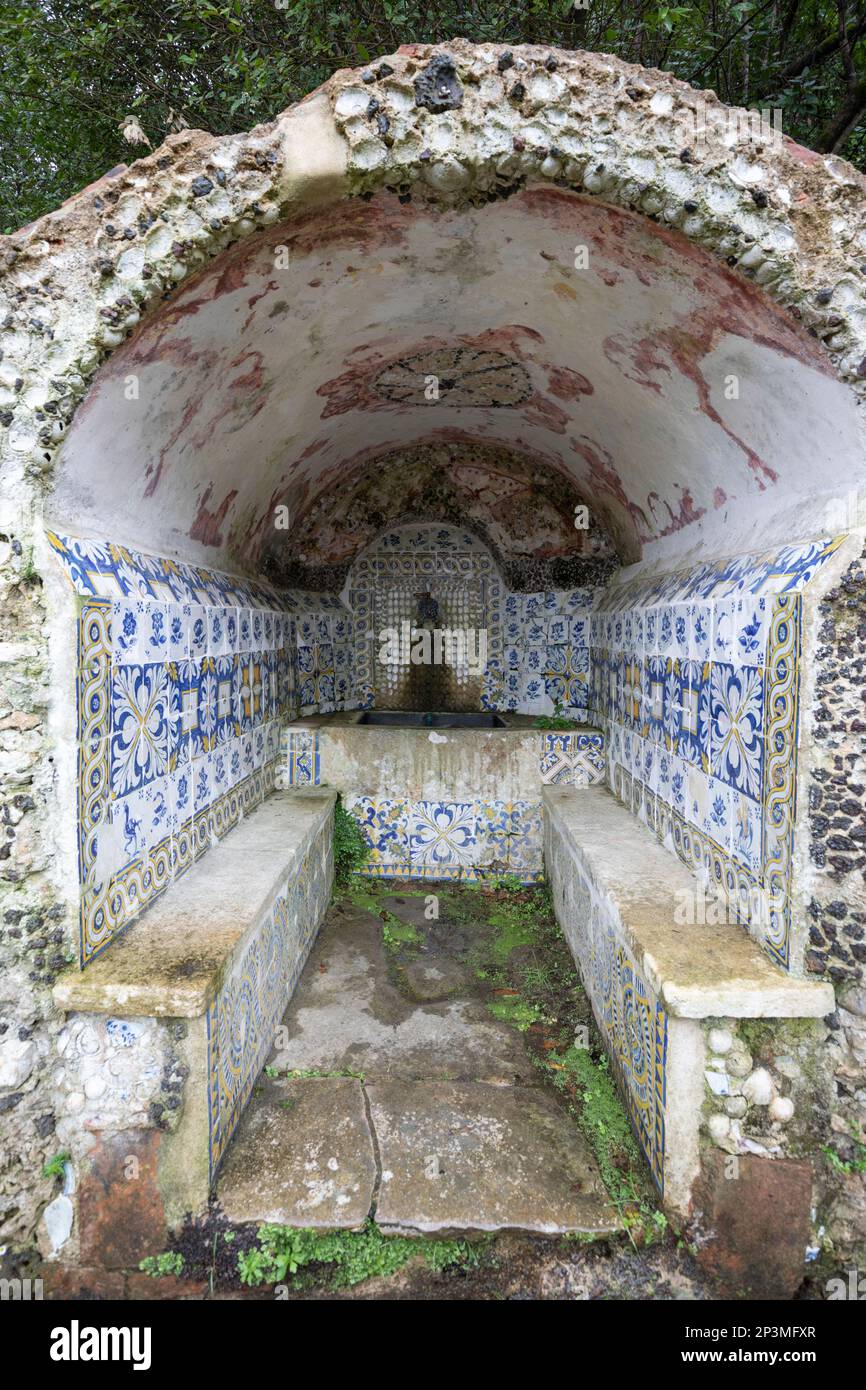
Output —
(501, 375)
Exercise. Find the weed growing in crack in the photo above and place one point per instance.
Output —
(169, 1262)
(343, 1257)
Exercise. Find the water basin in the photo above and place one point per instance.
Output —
(417, 719)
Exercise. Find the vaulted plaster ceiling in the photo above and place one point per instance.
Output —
(659, 386)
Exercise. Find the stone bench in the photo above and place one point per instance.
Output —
(706, 1035)
(168, 1029)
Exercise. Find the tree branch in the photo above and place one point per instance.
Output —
(750, 19)
(821, 51)
(834, 135)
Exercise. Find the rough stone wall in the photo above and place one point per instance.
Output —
(35, 937)
(74, 285)
(114, 1076)
(635, 137)
(837, 910)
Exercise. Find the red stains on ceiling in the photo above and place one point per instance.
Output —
(568, 385)
(666, 519)
(263, 378)
(637, 360)
(206, 526)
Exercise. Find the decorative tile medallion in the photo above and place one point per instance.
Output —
(446, 841)
(575, 759)
(460, 376)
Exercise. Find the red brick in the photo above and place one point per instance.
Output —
(753, 1229)
(121, 1218)
(79, 1284)
(165, 1286)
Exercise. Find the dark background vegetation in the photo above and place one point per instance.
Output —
(73, 71)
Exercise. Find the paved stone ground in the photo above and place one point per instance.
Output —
(414, 1103)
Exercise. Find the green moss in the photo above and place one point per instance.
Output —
(362, 895)
(305, 1075)
(169, 1262)
(774, 1036)
(515, 925)
(603, 1119)
(396, 933)
(350, 1257)
(56, 1165)
(857, 1164)
(511, 1008)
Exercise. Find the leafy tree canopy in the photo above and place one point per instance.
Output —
(83, 83)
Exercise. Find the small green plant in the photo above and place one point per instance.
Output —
(351, 1256)
(169, 1262)
(601, 1116)
(350, 846)
(29, 571)
(516, 1011)
(537, 979)
(272, 1071)
(558, 720)
(506, 883)
(857, 1164)
(56, 1166)
(396, 933)
(304, 1075)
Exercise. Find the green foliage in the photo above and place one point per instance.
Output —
(507, 883)
(350, 1256)
(396, 933)
(857, 1164)
(516, 923)
(558, 720)
(169, 1262)
(56, 1165)
(350, 847)
(305, 1074)
(527, 960)
(72, 70)
(510, 1008)
(603, 1120)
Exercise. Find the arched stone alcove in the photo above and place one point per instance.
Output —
(468, 286)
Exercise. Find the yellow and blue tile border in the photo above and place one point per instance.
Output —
(635, 1026)
(633, 1021)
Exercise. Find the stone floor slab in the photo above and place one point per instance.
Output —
(348, 1014)
(303, 1156)
(459, 1157)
